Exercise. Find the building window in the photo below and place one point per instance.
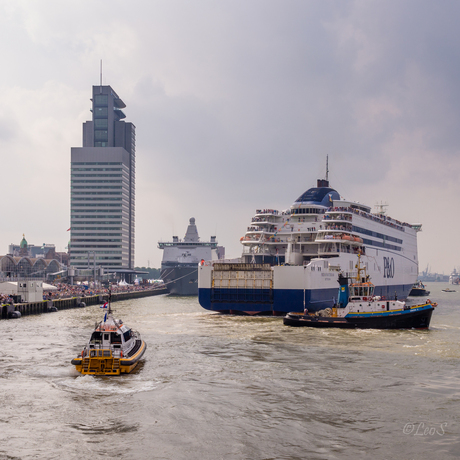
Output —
(101, 123)
(101, 112)
(101, 135)
(101, 99)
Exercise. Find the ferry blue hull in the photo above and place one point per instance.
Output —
(281, 301)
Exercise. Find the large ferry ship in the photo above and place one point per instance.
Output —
(179, 267)
(291, 259)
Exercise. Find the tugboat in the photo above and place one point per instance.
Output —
(113, 348)
(418, 289)
(358, 308)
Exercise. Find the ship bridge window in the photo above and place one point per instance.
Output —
(376, 234)
(307, 211)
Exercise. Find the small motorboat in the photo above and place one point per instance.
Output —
(448, 290)
(358, 308)
(419, 289)
(113, 348)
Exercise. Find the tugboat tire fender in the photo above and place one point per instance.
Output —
(14, 314)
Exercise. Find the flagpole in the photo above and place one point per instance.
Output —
(110, 299)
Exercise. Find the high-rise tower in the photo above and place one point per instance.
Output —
(102, 188)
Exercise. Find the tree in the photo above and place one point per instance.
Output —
(153, 273)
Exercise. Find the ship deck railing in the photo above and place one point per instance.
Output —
(385, 220)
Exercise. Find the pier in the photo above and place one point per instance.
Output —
(45, 306)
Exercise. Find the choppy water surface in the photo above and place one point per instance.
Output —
(227, 387)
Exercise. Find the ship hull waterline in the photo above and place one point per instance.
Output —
(280, 301)
(418, 319)
(181, 280)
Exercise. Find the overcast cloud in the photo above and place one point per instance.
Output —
(236, 105)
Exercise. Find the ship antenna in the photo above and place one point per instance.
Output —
(327, 168)
(360, 269)
(110, 300)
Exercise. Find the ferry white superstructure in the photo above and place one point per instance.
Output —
(291, 259)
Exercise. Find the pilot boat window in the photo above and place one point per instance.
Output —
(96, 336)
(106, 336)
(115, 338)
(106, 352)
(127, 335)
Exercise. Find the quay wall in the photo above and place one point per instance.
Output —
(36, 308)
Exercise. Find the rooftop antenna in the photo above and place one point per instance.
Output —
(100, 85)
(381, 208)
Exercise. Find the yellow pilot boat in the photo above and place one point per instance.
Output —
(113, 348)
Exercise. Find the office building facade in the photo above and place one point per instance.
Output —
(102, 189)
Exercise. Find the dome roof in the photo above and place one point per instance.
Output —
(23, 243)
(319, 195)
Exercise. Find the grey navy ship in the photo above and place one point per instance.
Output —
(179, 267)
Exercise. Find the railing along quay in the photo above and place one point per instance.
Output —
(45, 306)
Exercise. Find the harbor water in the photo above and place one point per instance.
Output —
(232, 387)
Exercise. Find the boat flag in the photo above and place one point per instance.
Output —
(105, 305)
(105, 317)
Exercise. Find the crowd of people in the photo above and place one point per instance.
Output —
(5, 299)
(66, 291)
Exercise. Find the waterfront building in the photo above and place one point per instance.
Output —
(32, 251)
(102, 190)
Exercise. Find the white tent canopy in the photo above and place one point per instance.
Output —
(49, 287)
(9, 288)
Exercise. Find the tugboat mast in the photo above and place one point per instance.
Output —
(109, 311)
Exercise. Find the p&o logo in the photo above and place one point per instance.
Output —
(388, 267)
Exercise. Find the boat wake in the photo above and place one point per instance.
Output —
(103, 386)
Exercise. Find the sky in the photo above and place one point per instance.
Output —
(236, 105)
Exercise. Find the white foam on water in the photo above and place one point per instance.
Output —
(105, 385)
